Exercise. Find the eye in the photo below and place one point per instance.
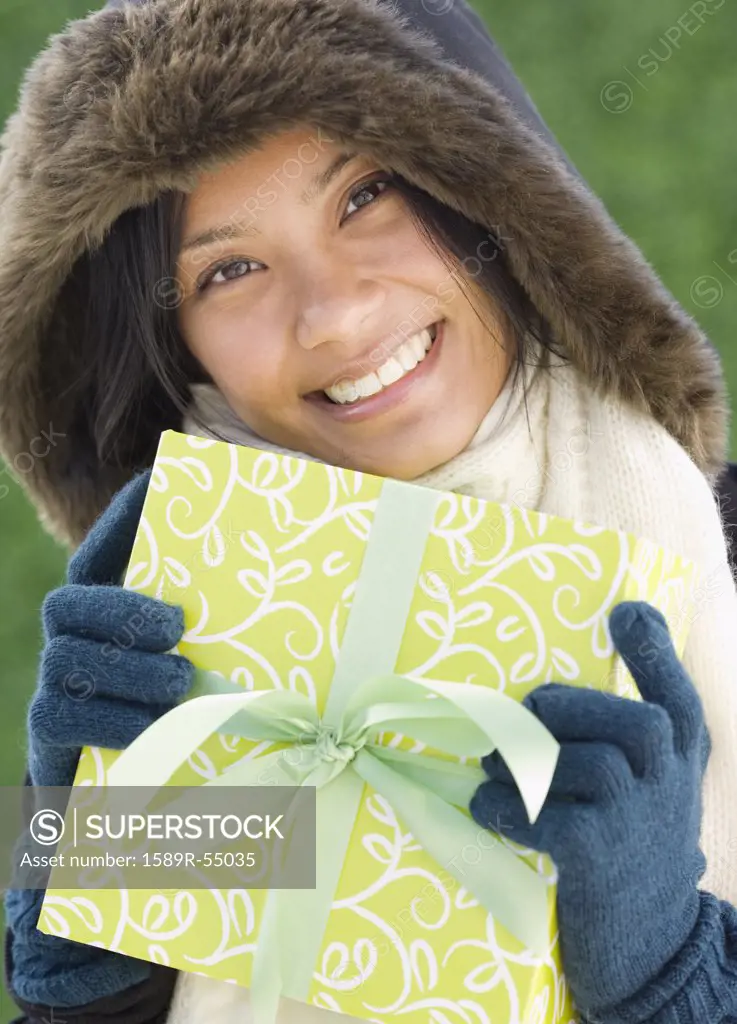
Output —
(366, 188)
(222, 267)
(209, 277)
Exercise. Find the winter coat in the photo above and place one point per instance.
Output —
(140, 97)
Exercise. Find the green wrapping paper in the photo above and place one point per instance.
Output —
(387, 632)
(361, 701)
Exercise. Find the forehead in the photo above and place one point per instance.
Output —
(302, 160)
(288, 158)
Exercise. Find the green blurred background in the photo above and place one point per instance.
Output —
(641, 96)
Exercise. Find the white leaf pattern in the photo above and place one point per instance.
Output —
(379, 848)
(294, 572)
(564, 664)
(254, 582)
(434, 625)
(358, 523)
(542, 566)
(484, 978)
(474, 614)
(256, 546)
(264, 471)
(178, 574)
(424, 964)
(508, 630)
(335, 564)
(213, 548)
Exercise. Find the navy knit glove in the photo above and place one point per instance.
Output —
(104, 677)
(622, 823)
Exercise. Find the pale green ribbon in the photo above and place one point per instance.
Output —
(366, 698)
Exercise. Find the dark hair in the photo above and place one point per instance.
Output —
(458, 241)
(133, 363)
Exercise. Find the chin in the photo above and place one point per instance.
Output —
(408, 468)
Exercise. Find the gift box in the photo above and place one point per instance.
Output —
(330, 593)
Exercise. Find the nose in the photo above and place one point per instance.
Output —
(336, 304)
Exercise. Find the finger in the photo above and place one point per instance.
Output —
(643, 732)
(103, 555)
(498, 808)
(51, 766)
(641, 636)
(56, 722)
(88, 965)
(58, 728)
(82, 669)
(585, 772)
(121, 617)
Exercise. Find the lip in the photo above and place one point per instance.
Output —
(389, 397)
(357, 368)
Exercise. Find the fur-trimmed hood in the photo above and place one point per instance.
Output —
(135, 99)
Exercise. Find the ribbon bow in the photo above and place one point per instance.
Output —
(339, 752)
(426, 792)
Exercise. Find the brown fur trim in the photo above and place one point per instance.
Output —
(125, 103)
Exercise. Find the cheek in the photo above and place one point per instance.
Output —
(242, 358)
(396, 248)
(416, 262)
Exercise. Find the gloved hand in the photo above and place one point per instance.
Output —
(622, 819)
(104, 677)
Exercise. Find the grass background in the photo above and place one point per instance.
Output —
(644, 106)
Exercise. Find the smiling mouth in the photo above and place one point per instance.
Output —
(402, 363)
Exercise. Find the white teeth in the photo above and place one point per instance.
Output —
(412, 352)
(407, 357)
(420, 345)
(391, 370)
(369, 385)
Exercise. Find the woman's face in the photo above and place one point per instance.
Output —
(306, 285)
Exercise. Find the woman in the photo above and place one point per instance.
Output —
(185, 245)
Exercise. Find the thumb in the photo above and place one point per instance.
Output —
(642, 638)
(103, 555)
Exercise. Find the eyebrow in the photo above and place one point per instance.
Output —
(321, 180)
(314, 190)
